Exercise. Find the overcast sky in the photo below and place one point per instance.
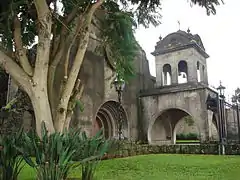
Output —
(219, 33)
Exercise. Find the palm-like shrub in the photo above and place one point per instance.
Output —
(92, 151)
(10, 158)
(53, 153)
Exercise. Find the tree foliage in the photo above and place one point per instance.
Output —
(61, 36)
(120, 36)
(236, 96)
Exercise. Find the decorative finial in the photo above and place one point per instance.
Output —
(188, 31)
(179, 24)
(160, 38)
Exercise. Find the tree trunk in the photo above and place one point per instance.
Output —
(42, 109)
(68, 120)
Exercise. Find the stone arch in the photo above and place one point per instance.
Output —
(182, 71)
(163, 129)
(167, 74)
(108, 116)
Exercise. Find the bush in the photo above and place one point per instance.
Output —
(10, 158)
(92, 152)
(189, 136)
(192, 136)
(53, 153)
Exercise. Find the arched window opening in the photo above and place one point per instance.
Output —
(203, 73)
(198, 72)
(167, 74)
(182, 72)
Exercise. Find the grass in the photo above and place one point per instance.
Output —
(163, 167)
(187, 141)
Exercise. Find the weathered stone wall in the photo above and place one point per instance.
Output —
(185, 128)
(232, 124)
(185, 98)
(133, 149)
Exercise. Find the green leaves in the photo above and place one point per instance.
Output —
(93, 150)
(54, 153)
(209, 5)
(80, 105)
(120, 44)
(10, 160)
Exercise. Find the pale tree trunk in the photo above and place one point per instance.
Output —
(42, 110)
(39, 94)
(38, 82)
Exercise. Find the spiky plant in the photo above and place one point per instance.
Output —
(93, 150)
(53, 153)
(10, 157)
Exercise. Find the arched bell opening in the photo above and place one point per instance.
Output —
(182, 72)
(167, 74)
(198, 72)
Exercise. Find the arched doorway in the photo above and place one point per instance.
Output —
(108, 118)
(161, 129)
(165, 128)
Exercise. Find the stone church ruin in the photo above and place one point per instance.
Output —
(153, 108)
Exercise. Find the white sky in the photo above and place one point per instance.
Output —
(219, 33)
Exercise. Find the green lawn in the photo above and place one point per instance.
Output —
(164, 167)
(187, 141)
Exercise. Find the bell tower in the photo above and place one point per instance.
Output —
(181, 91)
(180, 57)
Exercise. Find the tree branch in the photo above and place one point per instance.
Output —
(55, 62)
(82, 47)
(58, 51)
(60, 39)
(21, 52)
(42, 8)
(44, 38)
(15, 71)
(84, 37)
(77, 94)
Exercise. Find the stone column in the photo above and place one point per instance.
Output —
(174, 77)
(192, 72)
(209, 120)
(205, 74)
(201, 69)
(159, 70)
